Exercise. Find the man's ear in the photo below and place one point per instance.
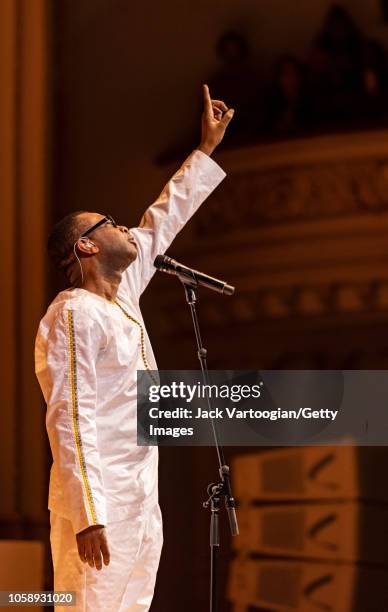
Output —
(86, 246)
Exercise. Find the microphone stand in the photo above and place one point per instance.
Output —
(215, 491)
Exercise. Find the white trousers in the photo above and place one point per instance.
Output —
(127, 583)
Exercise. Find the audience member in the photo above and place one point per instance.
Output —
(335, 67)
(236, 82)
(342, 83)
(288, 106)
(374, 80)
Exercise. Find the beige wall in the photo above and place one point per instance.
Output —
(7, 263)
(24, 125)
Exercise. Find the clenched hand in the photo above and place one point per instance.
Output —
(93, 546)
(215, 119)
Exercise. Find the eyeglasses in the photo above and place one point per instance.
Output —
(103, 221)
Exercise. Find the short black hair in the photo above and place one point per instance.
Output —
(62, 238)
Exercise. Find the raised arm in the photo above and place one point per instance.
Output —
(198, 176)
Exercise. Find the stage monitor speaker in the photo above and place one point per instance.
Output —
(293, 586)
(312, 473)
(337, 532)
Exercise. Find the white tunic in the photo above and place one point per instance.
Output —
(87, 354)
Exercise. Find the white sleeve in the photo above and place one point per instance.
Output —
(198, 176)
(69, 375)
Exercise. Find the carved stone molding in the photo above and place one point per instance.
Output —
(271, 303)
(297, 193)
(292, 181)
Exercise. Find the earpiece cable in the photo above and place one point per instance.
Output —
(79, 261)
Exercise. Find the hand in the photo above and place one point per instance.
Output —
(215, 119)
(92, 543)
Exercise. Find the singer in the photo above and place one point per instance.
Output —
(106, 525)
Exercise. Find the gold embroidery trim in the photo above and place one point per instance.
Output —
(142, 341)
(74, 401)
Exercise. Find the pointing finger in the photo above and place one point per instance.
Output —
(207, 101)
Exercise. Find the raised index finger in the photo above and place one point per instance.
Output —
(207, 101)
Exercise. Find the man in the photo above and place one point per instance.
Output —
(103, 497)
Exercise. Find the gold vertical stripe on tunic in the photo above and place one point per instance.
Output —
(74, 401)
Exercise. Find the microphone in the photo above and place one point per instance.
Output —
(190, 276)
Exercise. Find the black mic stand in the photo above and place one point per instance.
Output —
(223, 488)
